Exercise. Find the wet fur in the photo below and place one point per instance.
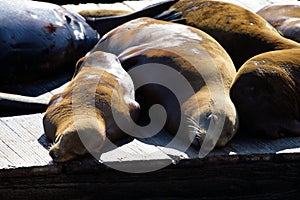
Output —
(285, 18)
(146, 40)
(241, 32)
(71, 115)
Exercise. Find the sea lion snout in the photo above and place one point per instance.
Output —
(213, 120)
(83, 137)
(54, 155)
(218, 127)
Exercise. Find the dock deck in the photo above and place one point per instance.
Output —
(246, 168)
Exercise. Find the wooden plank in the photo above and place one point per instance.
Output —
(136, 157)
(12, 157)
(20, 134)
(193, 180)
(176, 149)
(27, 127)
(259, 146)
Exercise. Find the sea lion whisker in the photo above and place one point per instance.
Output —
(195, 126)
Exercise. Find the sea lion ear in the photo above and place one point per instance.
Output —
(78, 66)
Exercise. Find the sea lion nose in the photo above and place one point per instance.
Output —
(53, 154)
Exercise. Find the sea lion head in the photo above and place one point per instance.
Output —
(84, 137)
(80, 118)
(215, 121)
(74, 135)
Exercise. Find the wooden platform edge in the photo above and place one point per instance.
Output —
(190, 179)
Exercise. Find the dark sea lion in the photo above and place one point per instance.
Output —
(266, 93)
(284, 17)
(146, 47)
(80, 119)
(38, 39)
(241, 32)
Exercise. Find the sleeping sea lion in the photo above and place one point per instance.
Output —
(266, 94)
(156, 52)
(80, 119)
(241, 32)
(38, 39)
(284, 17)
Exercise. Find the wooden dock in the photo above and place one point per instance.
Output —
(248, 168)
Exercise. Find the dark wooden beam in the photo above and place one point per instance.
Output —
(198, 179)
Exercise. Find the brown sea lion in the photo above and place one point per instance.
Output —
(80, 119)
(241, 32)
(266, 93)
(285, 18)
(171, 55)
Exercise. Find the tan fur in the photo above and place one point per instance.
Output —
(241, 32)
(78, 124)
(186, 50)
(266, 93)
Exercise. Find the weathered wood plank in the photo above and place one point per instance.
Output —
(247, 179)
(136, 157)
(21, 134)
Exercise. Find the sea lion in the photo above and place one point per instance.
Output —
(146, 46)
(266, 94)
(284, 17)
(38, 39)
(80, 119)
(241, 32)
